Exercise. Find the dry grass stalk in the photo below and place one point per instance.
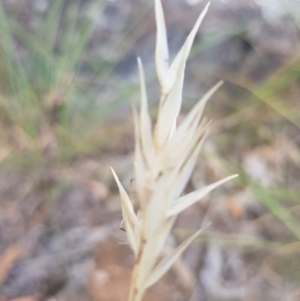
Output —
(164, 161)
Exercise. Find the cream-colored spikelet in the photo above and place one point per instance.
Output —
(164, 160)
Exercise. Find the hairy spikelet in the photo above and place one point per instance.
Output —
(165, 156)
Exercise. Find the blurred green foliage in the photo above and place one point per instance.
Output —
(52, 105)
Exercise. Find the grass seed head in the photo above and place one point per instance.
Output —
(165, 156)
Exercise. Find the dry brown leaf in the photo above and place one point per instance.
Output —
(98, 189)
(28, 298)
(235, 208)
(7, 259)
(4, 153)
(110, 283)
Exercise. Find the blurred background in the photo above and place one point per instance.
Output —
(68, 80)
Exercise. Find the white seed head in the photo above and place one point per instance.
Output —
(165, 156)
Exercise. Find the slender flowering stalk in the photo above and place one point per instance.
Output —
(165, 157)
